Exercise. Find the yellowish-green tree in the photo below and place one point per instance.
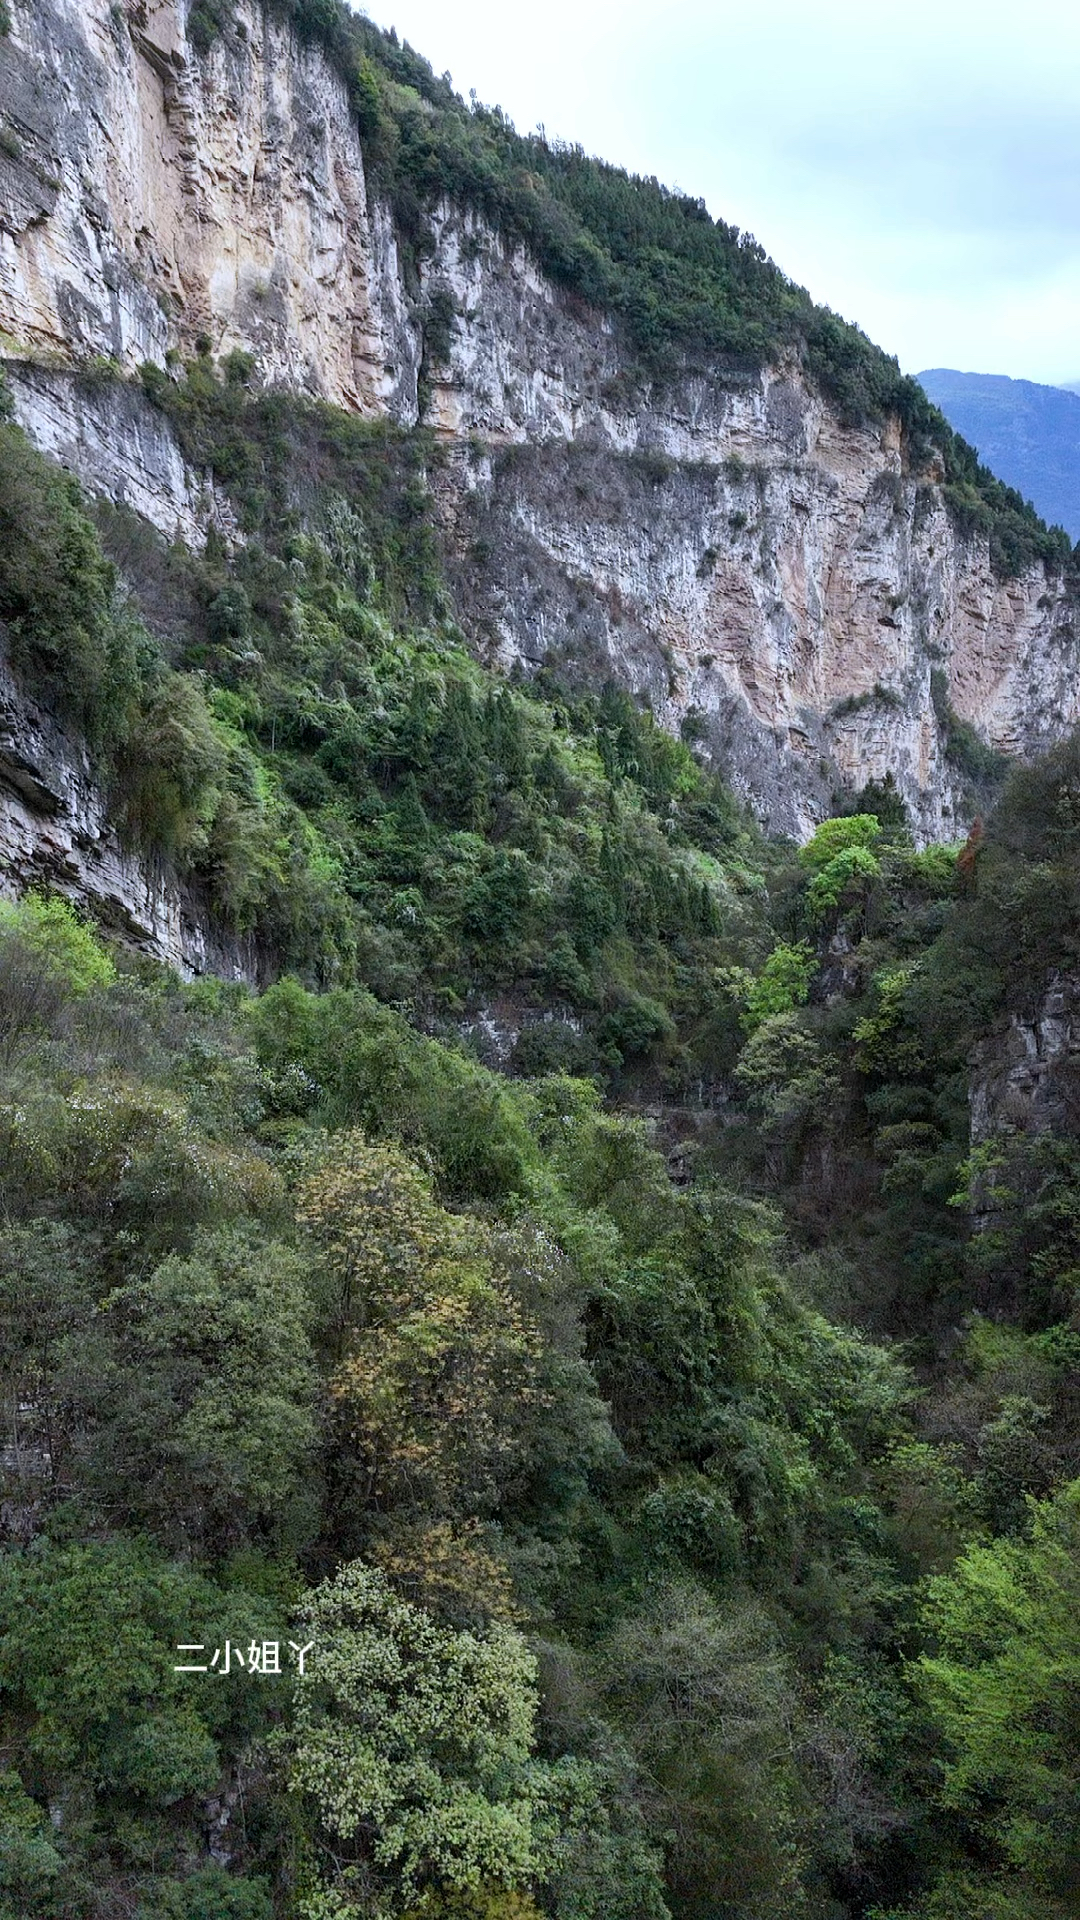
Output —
(436, 1358)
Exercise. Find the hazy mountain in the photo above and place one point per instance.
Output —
(1028, 434)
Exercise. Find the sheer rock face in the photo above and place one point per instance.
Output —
(718, 540)
(56, 833)
(156, 199)
(121, 446)
(1026, 1076)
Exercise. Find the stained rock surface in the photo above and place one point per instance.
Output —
(792, 587)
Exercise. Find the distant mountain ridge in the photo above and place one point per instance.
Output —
(1027, 433)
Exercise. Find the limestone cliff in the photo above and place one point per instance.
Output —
(1025, 1074)
(719, 540)
(55, 832)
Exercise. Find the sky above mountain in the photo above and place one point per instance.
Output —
(916, 167)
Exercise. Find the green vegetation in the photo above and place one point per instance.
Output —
(312, 743)
(1006, 1626)
(664, 1448)
(839, 858)
(411, 1394)
(679, 282)
(984, 766)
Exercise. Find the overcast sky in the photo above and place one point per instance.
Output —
(916, 165)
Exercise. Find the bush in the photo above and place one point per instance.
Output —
(207, 20)
(47, 957)
(838, 836)
(208, 1894)
(845, 874)
(632, 1028)
(782, 984)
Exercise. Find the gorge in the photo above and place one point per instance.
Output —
(539, 1035)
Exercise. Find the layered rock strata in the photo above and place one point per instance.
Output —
(786, 586)
(55, 833)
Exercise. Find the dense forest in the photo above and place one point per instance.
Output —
(661, 1451)
(554, 1394)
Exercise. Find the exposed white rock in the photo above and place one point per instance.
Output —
(108, 434)
(718, 540)
(158, 198)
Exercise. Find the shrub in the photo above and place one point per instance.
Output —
(70, 638)
(838, 858)
(47, 957)
(844, 874)
(431, 1777)
(207, 20)
(632, 1028)
(782, 984)
(838, 836)
(60, 944)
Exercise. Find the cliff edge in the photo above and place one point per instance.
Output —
(793, 588)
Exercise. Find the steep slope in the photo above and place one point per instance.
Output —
(727, 538)
(637, 1579)
(1028, 433)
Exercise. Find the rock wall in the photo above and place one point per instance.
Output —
(788, 586)
(149, 199)
(120, 445)
(55, 833)
(1026, 1076)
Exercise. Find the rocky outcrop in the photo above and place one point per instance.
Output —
(55, 833)
(789, 588)
(795, 613)
(148, 199)
(1024, 1083)
(1026, 1077)
(107, 432)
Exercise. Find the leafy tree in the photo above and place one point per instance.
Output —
(414, 1743)
(59, 598)
(884, 1040)
(94, 1715)
(837, 836)
(782, 985)
(47, 957)
(29, 1861)
(839, 857)
(1001, 1689)
(705, 1703)
(435, 1351)
(201, 1425)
